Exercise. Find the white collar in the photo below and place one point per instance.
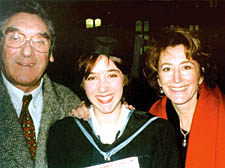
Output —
(103, 134)
(16, 94)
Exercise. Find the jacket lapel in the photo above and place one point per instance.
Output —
(13, 146)
(50, 114)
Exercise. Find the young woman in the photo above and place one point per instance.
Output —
(178, 68)
(114, 134)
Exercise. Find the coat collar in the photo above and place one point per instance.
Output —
(206, 146)
(12, 152)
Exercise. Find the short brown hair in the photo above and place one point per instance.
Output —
(91, 55)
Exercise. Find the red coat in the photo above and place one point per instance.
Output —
(206, 146)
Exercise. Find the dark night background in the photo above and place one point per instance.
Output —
(119, 18)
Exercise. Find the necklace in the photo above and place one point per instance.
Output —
(184, 143)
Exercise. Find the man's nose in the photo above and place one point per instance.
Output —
(27, 48)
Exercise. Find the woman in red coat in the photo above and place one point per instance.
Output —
(179, 69)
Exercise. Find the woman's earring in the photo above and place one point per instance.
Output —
(203, 69)
(161, 90)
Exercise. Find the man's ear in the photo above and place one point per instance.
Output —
(51, 58)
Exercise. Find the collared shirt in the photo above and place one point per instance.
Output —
(108, 136)
(35, 106)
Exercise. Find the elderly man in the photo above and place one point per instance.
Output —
(29, 101)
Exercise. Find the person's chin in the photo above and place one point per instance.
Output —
(180, 102)
(107, 109)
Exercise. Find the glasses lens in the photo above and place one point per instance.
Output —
(40, 43)
(17, 40)
(14, 39)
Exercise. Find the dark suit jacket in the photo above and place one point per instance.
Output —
(14, 153)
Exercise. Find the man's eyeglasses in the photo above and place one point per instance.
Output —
(17, 40)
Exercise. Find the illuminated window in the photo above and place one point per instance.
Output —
(89, 23)
(191, 27)
(142, 29)
(146, 37)
(98, 22)
(196, 27)
(146, 26)
(138, 26)
(141, 51)
(141, 43)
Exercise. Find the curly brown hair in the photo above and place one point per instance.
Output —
(171, 37)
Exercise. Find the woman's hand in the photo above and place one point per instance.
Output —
(81, 112)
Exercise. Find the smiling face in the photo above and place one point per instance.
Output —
(24, 66)
(104, 86)
(178, 76)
